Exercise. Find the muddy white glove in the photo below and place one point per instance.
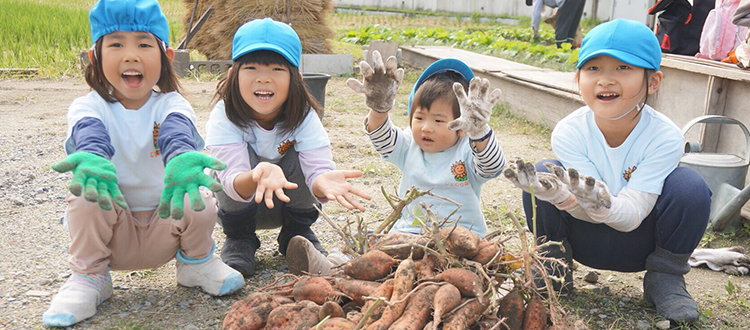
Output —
(475, 108)
(591, 194)
(379, 84)
(729, 260)
(547, 186)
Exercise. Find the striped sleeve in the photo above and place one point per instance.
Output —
(628, 210)
(384, 137)
(489, 162)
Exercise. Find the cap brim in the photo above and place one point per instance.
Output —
(620, 55)
(266, 46)
(440, 66)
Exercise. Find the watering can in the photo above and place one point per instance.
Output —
(724, 173)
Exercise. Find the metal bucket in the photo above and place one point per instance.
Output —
(724, 173)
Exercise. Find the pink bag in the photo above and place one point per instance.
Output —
(720, 36)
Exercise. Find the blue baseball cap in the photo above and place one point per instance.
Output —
(440, 66)
(108, 16)
(629, 41)
(267, 34)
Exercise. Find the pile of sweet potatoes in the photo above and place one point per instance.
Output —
(448, 280)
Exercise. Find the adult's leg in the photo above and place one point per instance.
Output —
(568, 19)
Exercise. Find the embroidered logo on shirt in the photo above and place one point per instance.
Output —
(628, 173)
(284, 146)
(156, 151)
(458, 169)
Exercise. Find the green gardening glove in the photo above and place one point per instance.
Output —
(184, 174)
(93, 175)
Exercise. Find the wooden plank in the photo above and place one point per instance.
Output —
(477, 62)
(715, 100)
(706, 67)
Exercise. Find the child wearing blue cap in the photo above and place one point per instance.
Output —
(265, 127)
(616, 198)
(448, 147)
(134, 156)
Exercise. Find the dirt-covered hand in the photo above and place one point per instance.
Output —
(476, 108)
(334, 187)
(547, 186)
(592, 195)
(731, 260)
(184, 175)
(380, 83)
(270, 180)
(95, 177)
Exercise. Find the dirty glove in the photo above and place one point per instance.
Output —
(547, 186)
(729, 260)
(380, 83)
(93, 175)
(184, 174)
(591, 194)
(475, 108)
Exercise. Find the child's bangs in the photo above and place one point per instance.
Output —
(263, 57)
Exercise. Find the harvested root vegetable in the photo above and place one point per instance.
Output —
(460, 241)
(446, 299)
(335, 323)
(535, 316)
(465, 316)
(426, 266)
(332, 309)
(465, 280)
(385, 291)
(371, 266)
(356, 289)
(511, 307)
(397, 245)
(487, 251)
(417, 311)
(300, 315)
(403, 283)
(249, 313)
(315, 289)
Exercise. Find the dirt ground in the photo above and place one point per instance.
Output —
(34, 243)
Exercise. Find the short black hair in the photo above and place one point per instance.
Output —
(436, 87)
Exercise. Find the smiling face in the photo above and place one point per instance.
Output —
(264, 87)
(131, 62)
(429, 127)
(611, 87)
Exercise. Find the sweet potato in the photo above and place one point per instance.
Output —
(356, 289)
(300, 315)
(417, 311)
(371, 266)
(465, 316)
(487, 251)
(401, 239)
(403, 283)
(385, 290)
(535, 316)
(511, 307)
(330, 308)
(335, 323)
(446, 299)
(465, 280)
(426, 266)
(460, 241)
(249, 313)
(315, 289)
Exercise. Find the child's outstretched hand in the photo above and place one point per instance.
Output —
(380, 83)
(95, 177)
(184, 174)
(547, 186)
(592, 195)
(475, 108)
(333, 185)
(270, 180)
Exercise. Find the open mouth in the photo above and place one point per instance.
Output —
(607, 96)
(427, 140)
(264, 95)
(132, 78)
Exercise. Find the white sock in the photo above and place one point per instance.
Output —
(77, 299)
(210, 274)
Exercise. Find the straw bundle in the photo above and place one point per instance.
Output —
(214, 39)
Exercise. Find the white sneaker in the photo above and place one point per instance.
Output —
(303, 258)
(210, 274)
(77, 299)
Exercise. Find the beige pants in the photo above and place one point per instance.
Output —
(125, 240)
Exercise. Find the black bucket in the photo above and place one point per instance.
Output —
(316, 83)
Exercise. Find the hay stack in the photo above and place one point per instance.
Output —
(214, 39)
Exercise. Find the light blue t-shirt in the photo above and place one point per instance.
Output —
(133, 133)
(449, 175)
(269, 145)
(649, 154)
